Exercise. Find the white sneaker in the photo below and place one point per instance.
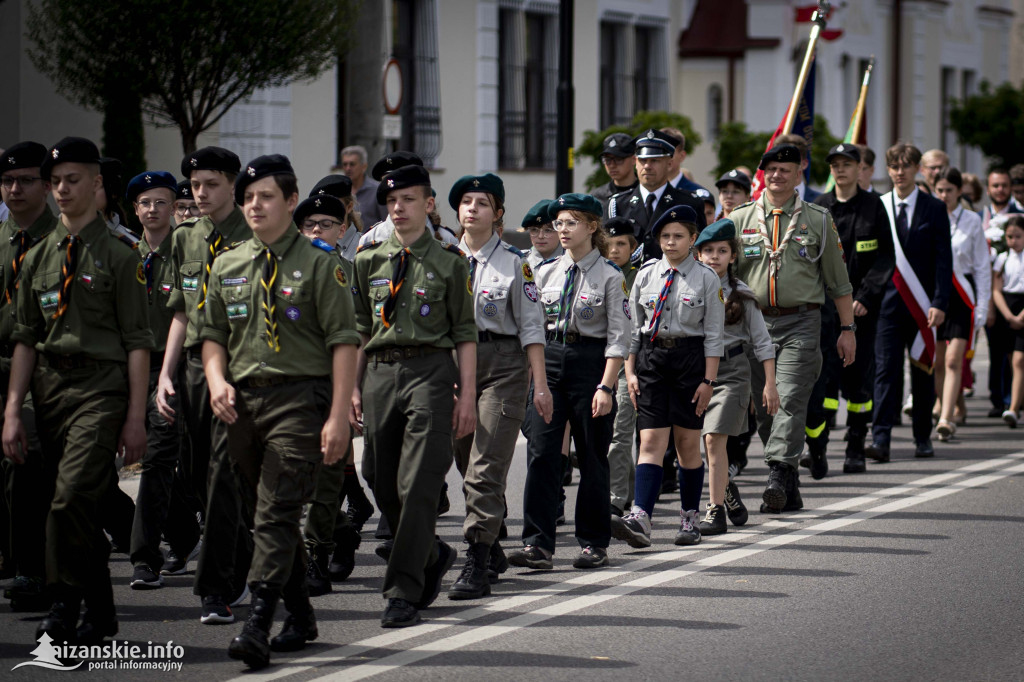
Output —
(1011, 418)
(908, 407)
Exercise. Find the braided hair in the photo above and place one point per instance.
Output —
(735, 303)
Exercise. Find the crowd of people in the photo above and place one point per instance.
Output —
(238, 343)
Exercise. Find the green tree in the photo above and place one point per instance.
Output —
(181, 64)
(738, 146)
(593, 140)
(992, 120)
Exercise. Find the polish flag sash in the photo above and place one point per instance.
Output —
(965, 291)
(922, 350)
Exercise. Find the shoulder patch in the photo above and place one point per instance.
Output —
(128, 241)
(454, 249)
(509, 247)
(233, 245)
(549, 260)
(339, 276)
(613, 264)
(368, 245)
(527, 271)
(322, 245)
(814, 206)
(650, 263)
(187, 223)
(749, 203)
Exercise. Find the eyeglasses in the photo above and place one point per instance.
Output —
(187, 210)
(324, 225)
(24, 181)
(547, 231)
(146, 204)
(567, 225)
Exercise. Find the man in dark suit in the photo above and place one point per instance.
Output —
(654, 195)
(921, 228)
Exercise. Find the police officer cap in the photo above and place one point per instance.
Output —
(718, 231)
(848, 150)
(618, 144)
(620, 226)
(324, 204)
(23, 155)
(780, 153)
(261, 167)
(676, 214)
(537, 215)
(575, 202)
(335, 185)
(69, 150)
(400, 178)
(655, 143)
(736, 177)
(394, 161)
(211, 158)
(150, 180)
(184, 191)
(489, 182)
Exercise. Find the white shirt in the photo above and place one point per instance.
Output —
(1011, 265)
(910, 201)
(970, 256)
(657, 193)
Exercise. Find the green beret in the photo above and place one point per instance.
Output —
(719, 231)
(489, 182)
(575, 202)
(538, 214)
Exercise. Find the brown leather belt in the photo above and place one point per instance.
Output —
(399, 353)
(776, 311)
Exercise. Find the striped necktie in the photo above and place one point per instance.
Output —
(214, 240)
(387, 312)
(268, 278)
(25, 242)
(67, 272)
(660, 306)
(565, 302)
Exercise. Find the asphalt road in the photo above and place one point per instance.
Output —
(910, 571)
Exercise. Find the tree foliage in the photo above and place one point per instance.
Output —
(593, 140)
(185, 63)
(992, 120)
(738, 146)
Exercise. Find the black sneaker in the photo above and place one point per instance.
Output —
(176, 565)
(713, 522)
(215, 611)
(591, 557)
(734, 507)
(531, 556)
(145, 578)
(399, 614)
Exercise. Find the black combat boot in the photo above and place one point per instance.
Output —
(794, 501)
(346, 542)
(300, 623)
(252, 645)
(856, 433)
(99, 619)
(774, 495)
(473, 582)
(497, 563)
(317, 580)
(60, 622)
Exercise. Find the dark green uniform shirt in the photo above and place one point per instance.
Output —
(107, 315)
(314, 309)
(43, 226)
(160, 313)
(189, 247)
(434, 305)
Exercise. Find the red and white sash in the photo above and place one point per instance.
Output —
(964, 290)
(922, 350)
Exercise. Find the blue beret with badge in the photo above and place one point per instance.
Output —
(323, 204)
(655, 143)
(719, 231)
(621, 226)
(150, 180)
(488, 182)
(393, 162)
(23, 155)
(69, 150)
(676, 214)
(780, 153)
(259, 168)
(211, 158)
(339, 186)
(184, 191)
(537, 215)
(575, 201)
(406, 176)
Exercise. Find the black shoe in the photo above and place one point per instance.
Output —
(473, 582)
(145, 578)
(560, 516)
(175, 564)
(854, 464)
(531, 556)
(567, 471)
(399, 614)
(60, 622)
(443, 503)
(360, 509)
(591, 557)
(924, 449)
(794, 501)
(878, 452)
(252, 645)
(995, 413)
(818, 461)
(774, 495)
(317, 580)
(434, 574)
(736, 510)
(297, 631)
(713, 522)
(497, 563)
(383, 550)
(503, 531)
(94, 630)
(216, 611)
(346, 542)
(28, 594)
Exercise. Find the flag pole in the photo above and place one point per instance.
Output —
(858, 115)
(819, 24)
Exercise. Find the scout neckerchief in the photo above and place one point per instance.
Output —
(656, 318)
(922, 350)
(25, 242)
(67, 272)
(268, 278)
(568, 289)
(387, 311)
(962, 286)
(147, 267)
(778, 247)
(214, 240)
(474, 264)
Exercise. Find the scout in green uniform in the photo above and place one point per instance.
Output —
(163, 507)
(24, 193)
(227, 546)
(790, 253)
(280, 324)
(83, 340)
(414, 305)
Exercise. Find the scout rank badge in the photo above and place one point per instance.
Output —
(140, 273)
(587, 313)
(339, 276)
(238, 311)
(190, 284)
(625, 309)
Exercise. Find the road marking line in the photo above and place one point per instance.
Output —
(926, 490)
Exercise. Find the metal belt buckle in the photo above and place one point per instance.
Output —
(394, 355)
(772, 310)
(571, 337)
(668, 343)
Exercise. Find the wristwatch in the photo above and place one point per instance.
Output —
(710, 382)
(606, 389)
(852, 327)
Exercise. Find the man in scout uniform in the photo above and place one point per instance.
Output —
(790, 253)
(163, 507)
(619, 162)
(83, 341)
(29, 221)
(280, 324)
(413, 306)
(227, 546)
